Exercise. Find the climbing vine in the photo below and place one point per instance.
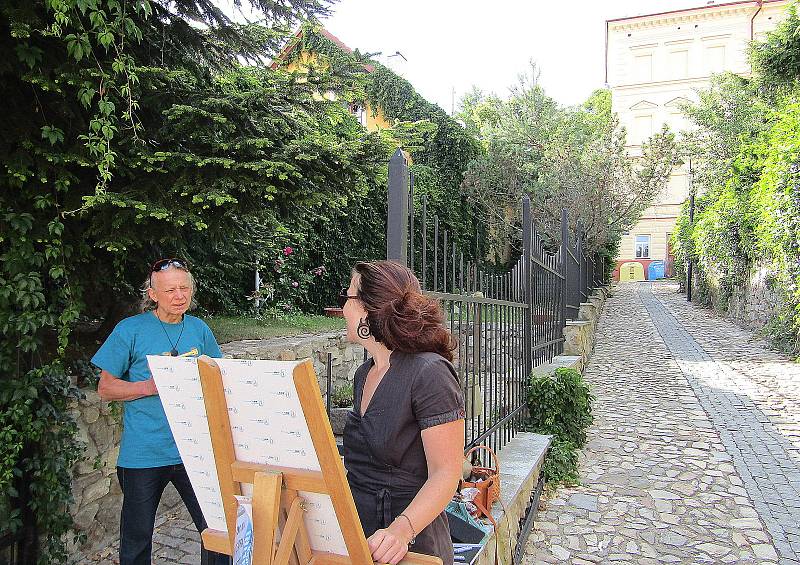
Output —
(90, 107)
(440, 147)
(747, 154)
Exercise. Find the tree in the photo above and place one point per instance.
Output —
(562, 157)
(745, 150)
(125, 139)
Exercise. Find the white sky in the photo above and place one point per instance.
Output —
(453, 44)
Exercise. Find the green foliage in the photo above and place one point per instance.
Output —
(746, 154)
(440, 163)
(561, 464)
(342, 396)
(440, 147)
(560, 405)
(776, 61)
(561, 157)
(124, 138)
(38, 449)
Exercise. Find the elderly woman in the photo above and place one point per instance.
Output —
(403, 440)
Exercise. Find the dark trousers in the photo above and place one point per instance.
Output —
(141, 493)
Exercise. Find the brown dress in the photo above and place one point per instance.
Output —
(383, 450)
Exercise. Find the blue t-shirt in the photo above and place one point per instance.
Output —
(146, 438)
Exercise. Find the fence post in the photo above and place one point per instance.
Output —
(689, 273)
(564, 263)
(527, 327)
(397, 215)
(581, 266)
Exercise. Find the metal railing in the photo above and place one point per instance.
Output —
(505, 323)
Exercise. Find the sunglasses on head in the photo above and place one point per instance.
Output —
(344, 297)
(164, 264)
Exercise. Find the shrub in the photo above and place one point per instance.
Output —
(342, 396)
(560, 405)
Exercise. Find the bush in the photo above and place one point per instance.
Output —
(560, 405)
(561, 464)
(342, 396)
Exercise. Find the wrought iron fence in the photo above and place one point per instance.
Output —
(10, 547)
(505, 323)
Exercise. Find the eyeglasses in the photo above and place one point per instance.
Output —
(164, 264)
(344, 297)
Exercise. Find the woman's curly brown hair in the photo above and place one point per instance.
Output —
(398, 314)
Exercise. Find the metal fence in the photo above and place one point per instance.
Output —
(505, 323)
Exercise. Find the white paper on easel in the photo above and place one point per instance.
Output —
(178, 383)
(267, 426)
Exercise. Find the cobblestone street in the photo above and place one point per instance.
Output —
(175, 541)
(694, 456)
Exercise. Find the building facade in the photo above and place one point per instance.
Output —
(655, 63)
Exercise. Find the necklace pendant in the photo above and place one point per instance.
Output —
(173, 352)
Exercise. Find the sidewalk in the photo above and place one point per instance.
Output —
(694, 455)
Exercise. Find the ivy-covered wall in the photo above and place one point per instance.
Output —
(745, 238)
(440, 147)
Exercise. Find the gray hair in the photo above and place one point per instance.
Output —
(146, 304)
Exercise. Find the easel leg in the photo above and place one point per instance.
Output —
(266, 508)
(294, 522)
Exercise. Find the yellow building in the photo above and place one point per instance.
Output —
(654, 64)
(371, 118)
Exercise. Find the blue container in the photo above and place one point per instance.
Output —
(655, 270)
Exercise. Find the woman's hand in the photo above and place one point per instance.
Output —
(389, 545)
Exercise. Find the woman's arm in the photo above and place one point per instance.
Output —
(444, 454)
(113, 388)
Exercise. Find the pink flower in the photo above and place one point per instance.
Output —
(319, 271)
(287, 251)
(295, 284)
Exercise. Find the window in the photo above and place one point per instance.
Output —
(642, 246)
(643, 68)
(715, 59)
(679, 64)
(642, 129)
(359, 112)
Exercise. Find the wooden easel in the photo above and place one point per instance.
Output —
(277, 508)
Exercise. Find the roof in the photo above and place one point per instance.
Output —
(295, 41)
(697, 8)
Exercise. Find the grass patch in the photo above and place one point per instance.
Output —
(233, 328)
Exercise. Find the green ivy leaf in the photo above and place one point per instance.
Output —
(52, 134)
(28, 54)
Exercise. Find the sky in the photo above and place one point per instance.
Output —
(450, 46)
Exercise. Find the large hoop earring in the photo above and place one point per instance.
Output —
(363, 330)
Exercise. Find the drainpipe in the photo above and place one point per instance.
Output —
(760, 5)
(606, 61)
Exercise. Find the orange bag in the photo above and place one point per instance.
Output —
(487, 482)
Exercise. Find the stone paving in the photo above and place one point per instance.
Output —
(175, 541)
(693, 455)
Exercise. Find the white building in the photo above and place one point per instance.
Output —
(655, 63)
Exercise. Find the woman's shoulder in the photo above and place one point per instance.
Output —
(429, 365)
(425, 358)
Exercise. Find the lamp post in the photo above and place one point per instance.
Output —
(689, 265)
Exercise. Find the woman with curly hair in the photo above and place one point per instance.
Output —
(403, 439)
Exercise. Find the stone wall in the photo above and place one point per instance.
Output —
(98, 498)
(756, 302)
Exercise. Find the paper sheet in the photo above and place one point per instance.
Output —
(267, 426)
